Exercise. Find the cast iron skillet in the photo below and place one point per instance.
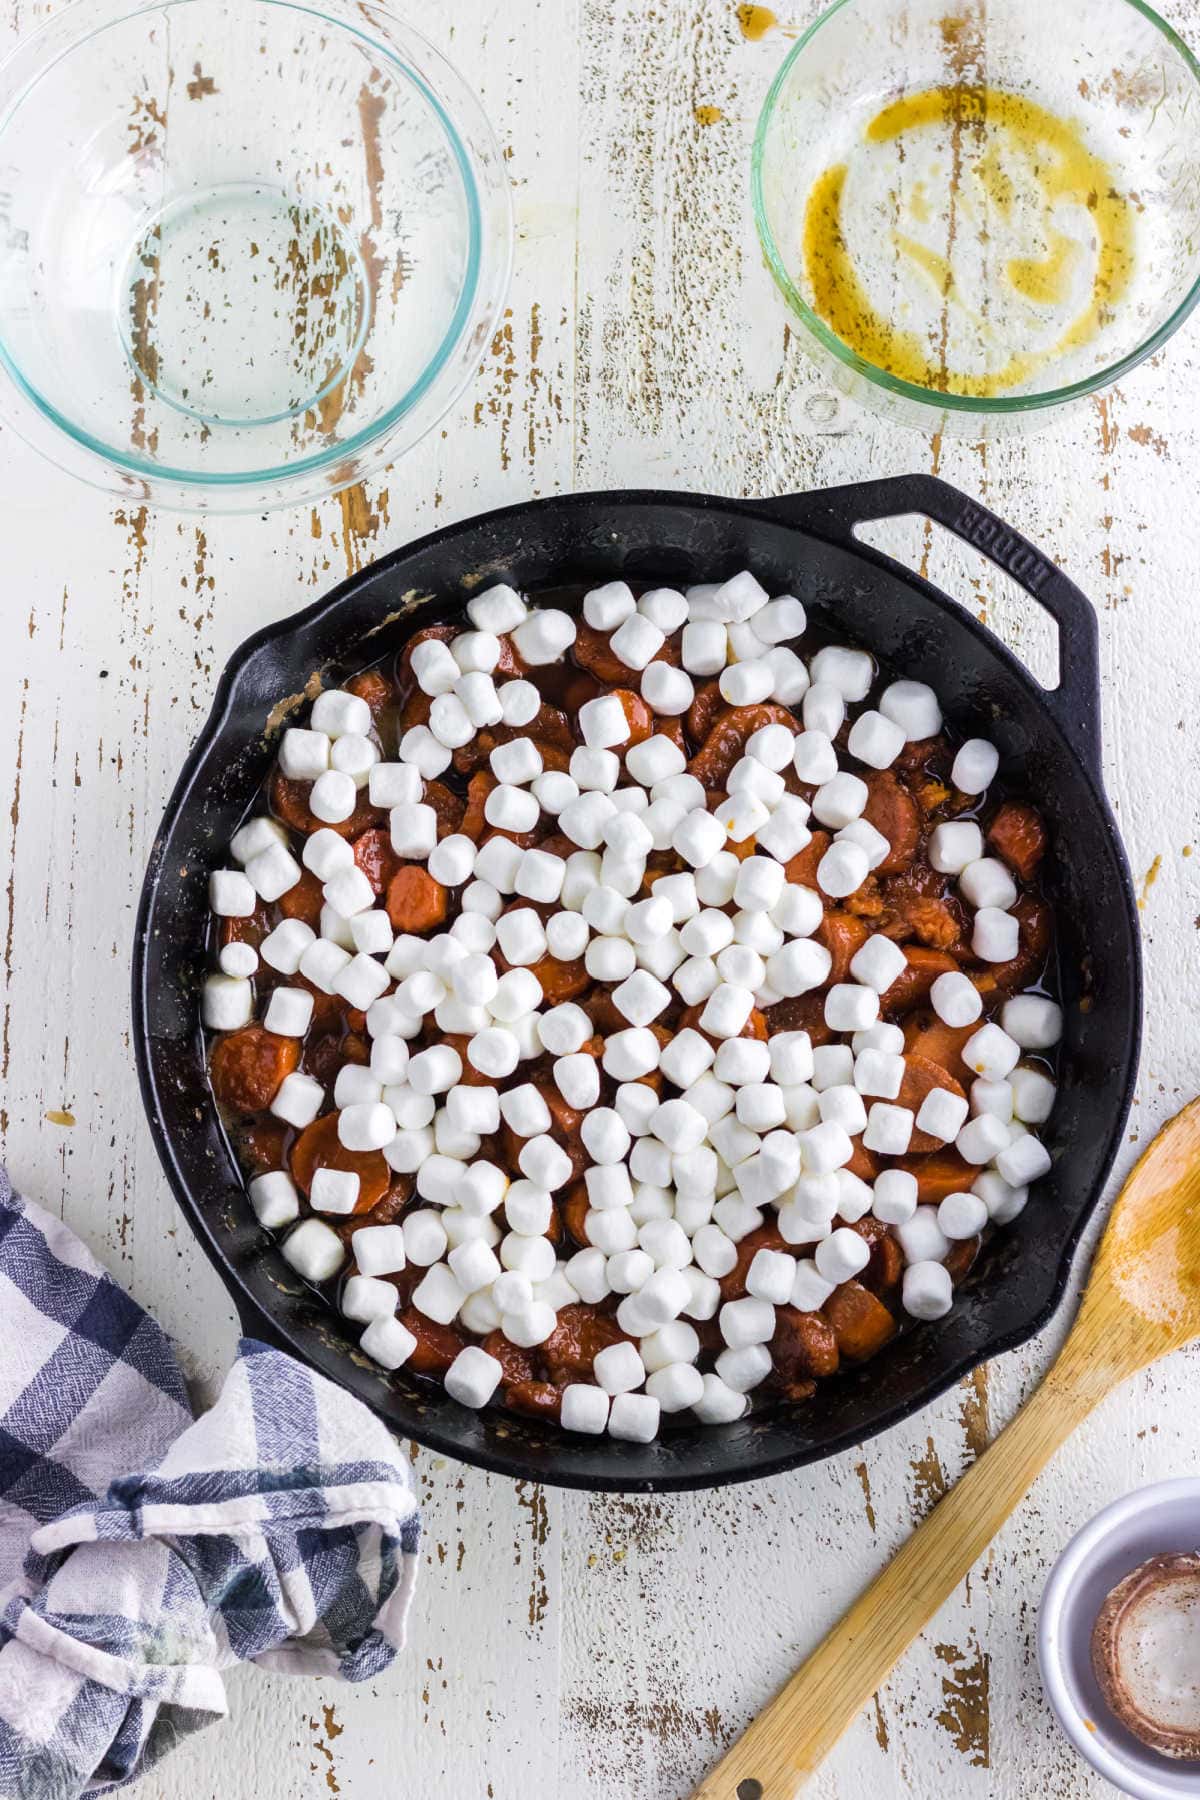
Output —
(803, 543)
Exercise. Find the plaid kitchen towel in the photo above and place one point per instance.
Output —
(142, 1551)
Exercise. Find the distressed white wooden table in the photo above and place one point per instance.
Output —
(560, 1644)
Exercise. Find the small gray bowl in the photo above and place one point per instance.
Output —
(1152, 1521)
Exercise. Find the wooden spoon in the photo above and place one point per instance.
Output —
(1142, 1299)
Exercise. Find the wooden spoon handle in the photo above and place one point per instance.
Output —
(792, 1735)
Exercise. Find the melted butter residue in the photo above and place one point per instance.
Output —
(995, 132)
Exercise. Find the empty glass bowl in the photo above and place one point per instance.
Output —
(980, 212)
(250, 250)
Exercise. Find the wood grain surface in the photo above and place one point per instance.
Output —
(563, 1645)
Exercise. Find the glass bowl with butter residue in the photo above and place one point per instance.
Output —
(981, 212)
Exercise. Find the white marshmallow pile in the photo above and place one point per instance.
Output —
(745, 1130)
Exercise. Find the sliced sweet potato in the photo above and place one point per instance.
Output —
(373, 687)
(573, 1208)
(804, 1346)
(843, 935)
(802, 869)
(449, 807)
(319, 1147)
(375, 857)
(304, 901)
(1036, 922)
(561, 980)
(765, 1237)
(517, 1364)
(960, 1256)
(806, 1012)
(1018, 834)
(437, 1345)
(727, 738)
(928, 1036)
(637, 715)
(536, 1399)
(946, 1172)
(884, 1271)
(247, 1067)
(912, 987)
(289, 802)
(861, 1322)
(251, 929)
(415, 901)
(260, 1145)
(921, 1076)
(702, 714)
(892, 810)
(593, 651)
(581, 1332)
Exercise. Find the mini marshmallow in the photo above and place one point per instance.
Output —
(983, 1138)
(473, 1376)
(760, 883)
(756, 778)
(879, 1073)
(993, 1097)
(704, 647)
(843, 1105)
(1033, 1095)
(750, 1321)
(274, 1199)
(366, 1126)
(545, 1162)
(231, 895)
(274, 871)
(511, 808)
(326, 854)
(452, 860)
(283, 948)
(849, 1007)
(433, 666)
(895, 1199)
(419, 747)
(408, 1150)
(735, 600)
(842, 1255)
(603, 722)
(584, 1409)
(986, 882)
(742, 1369)
(1032, 1021)
(298, 1100)
(667, 690)
(618, 1368)
(332, 797)
(663, 1297)
(954, 844)
(848, 671)
(227, 1002)
(289, 1012)
(742, 814)
(742, 1061)
(889, 1129)
(843, 869)
(975, 766)
(726, 1011)
(840, 799)
(355, 756)
(525, 1111)
(786, 832)
(664, 607)
(715, 882)
(833, 1066)
(1024, 1161)
(372, 932)
(630, 1054)
(314, 1251)
(438, 1294)
(364, 1299)
(955, 999)
(991, 1052)
(477, 695)
(349, 892)
(878, 963)
(641, 998)
(361, 980)
(746, 683)
(926, 1291)
(379, 1250)
(823, 710)
(424, 1238)
(914, 707)
(961, 1216)
(675, 1387)
(530, 1256)
(770, 1276)
(529, 1210)
(942, 1114)
(529, 1326)
(634, 1418)
(789, 673)
(628, 1271)
(636, 641)
(520, 703)
(544, 636)
(921, 1237)
(604, 1135)
(666, 1243)
(564, 1029)
(413, 831)
(474, 1265)
(875, 740)
(304, 755)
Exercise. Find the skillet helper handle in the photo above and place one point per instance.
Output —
(834, 512)
(793, 1734)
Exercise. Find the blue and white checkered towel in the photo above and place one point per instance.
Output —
(142, 1551)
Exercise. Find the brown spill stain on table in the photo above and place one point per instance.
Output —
(58, 1115)
(966, 1713)
(1148, 881)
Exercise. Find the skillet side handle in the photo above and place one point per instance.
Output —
(834, 512)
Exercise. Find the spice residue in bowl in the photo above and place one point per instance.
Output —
(970, 238)
(1146, 1654)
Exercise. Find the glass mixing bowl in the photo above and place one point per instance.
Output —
(249, 250)
(980, 210)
